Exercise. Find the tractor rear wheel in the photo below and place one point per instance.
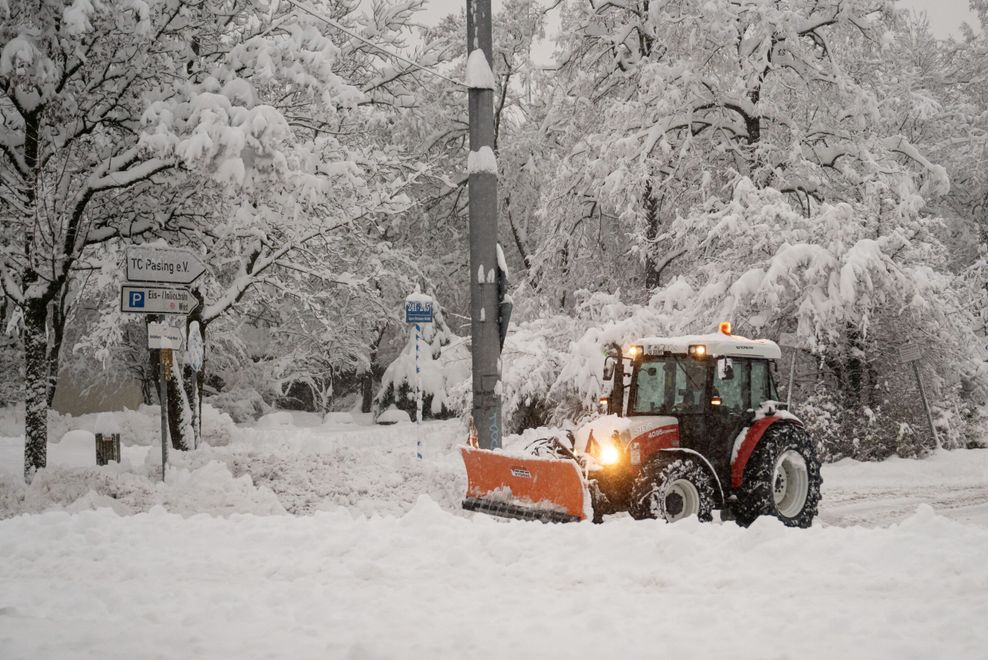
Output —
(673, 488)
(782, 479)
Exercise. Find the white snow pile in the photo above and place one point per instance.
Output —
(483, 160)
(394, 416)
(136, 427)
(338, 419)
(479, 74)
(275, 419)
(298, 468)
(428, 585)
(129, 489)
(385, 564)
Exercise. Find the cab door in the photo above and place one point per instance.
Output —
(730, 410)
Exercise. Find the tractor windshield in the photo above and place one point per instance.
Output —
(668, 385)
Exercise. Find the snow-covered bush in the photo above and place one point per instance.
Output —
(241, 404)
(443, 363)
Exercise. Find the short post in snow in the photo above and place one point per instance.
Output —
(912, 353)
(418, 310)
(790, 340)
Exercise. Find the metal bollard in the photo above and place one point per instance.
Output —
(107, 448)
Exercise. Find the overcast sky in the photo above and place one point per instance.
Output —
(945, 16)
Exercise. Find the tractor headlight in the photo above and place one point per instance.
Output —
(609, 455)
(698, 351)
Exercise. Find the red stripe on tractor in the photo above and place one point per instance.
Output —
(755, 433)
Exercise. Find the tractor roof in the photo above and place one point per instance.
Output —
(718, 344)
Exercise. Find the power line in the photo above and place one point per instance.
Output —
(356, 36)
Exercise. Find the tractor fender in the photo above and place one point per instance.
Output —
(702, 458)
(748, 439)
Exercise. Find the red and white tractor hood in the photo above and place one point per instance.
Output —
(640, 428)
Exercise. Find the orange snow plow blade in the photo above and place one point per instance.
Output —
(549, 490)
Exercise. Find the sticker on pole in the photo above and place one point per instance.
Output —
(418, 308)
(910, 353)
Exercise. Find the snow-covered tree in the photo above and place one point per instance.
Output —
(217, 123)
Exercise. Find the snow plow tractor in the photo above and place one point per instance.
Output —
(692, 424)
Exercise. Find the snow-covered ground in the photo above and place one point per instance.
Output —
(379, 561)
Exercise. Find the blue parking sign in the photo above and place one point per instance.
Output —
(418, 311)
(136, 299)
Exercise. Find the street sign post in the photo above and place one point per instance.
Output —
(148, 267)
(140, 299)
(163, 265)
(912, 354)
(418, 310)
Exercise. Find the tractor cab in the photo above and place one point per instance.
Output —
(710, 385)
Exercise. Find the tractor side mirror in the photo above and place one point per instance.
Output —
(725, 369)
(609, 367)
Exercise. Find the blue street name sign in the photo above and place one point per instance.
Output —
(418, 312)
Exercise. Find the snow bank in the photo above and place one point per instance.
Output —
(338, 419)
(140, 427)
(129, 489)
(393, 416)
(299, 469)
(335, 585)
(274, 420)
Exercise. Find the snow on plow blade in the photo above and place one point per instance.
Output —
(549, 490)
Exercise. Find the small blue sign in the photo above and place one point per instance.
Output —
(418, 312)
(136, 299)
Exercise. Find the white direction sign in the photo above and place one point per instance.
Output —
(910, 352)
(162, 335)
(156, 300)
(151, 263)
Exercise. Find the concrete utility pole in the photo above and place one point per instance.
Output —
(484, 330)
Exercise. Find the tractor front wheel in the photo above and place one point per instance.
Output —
(673, 488)
(782, 479)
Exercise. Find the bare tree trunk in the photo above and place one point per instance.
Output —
(367, 384)
(194, 380)
(35, 320)
(56, 338)
(36, 388)
(653, 274)
(180, 423)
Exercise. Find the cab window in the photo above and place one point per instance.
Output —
(728, 384)
(650, 388)
(762, 387)
(668, 385)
